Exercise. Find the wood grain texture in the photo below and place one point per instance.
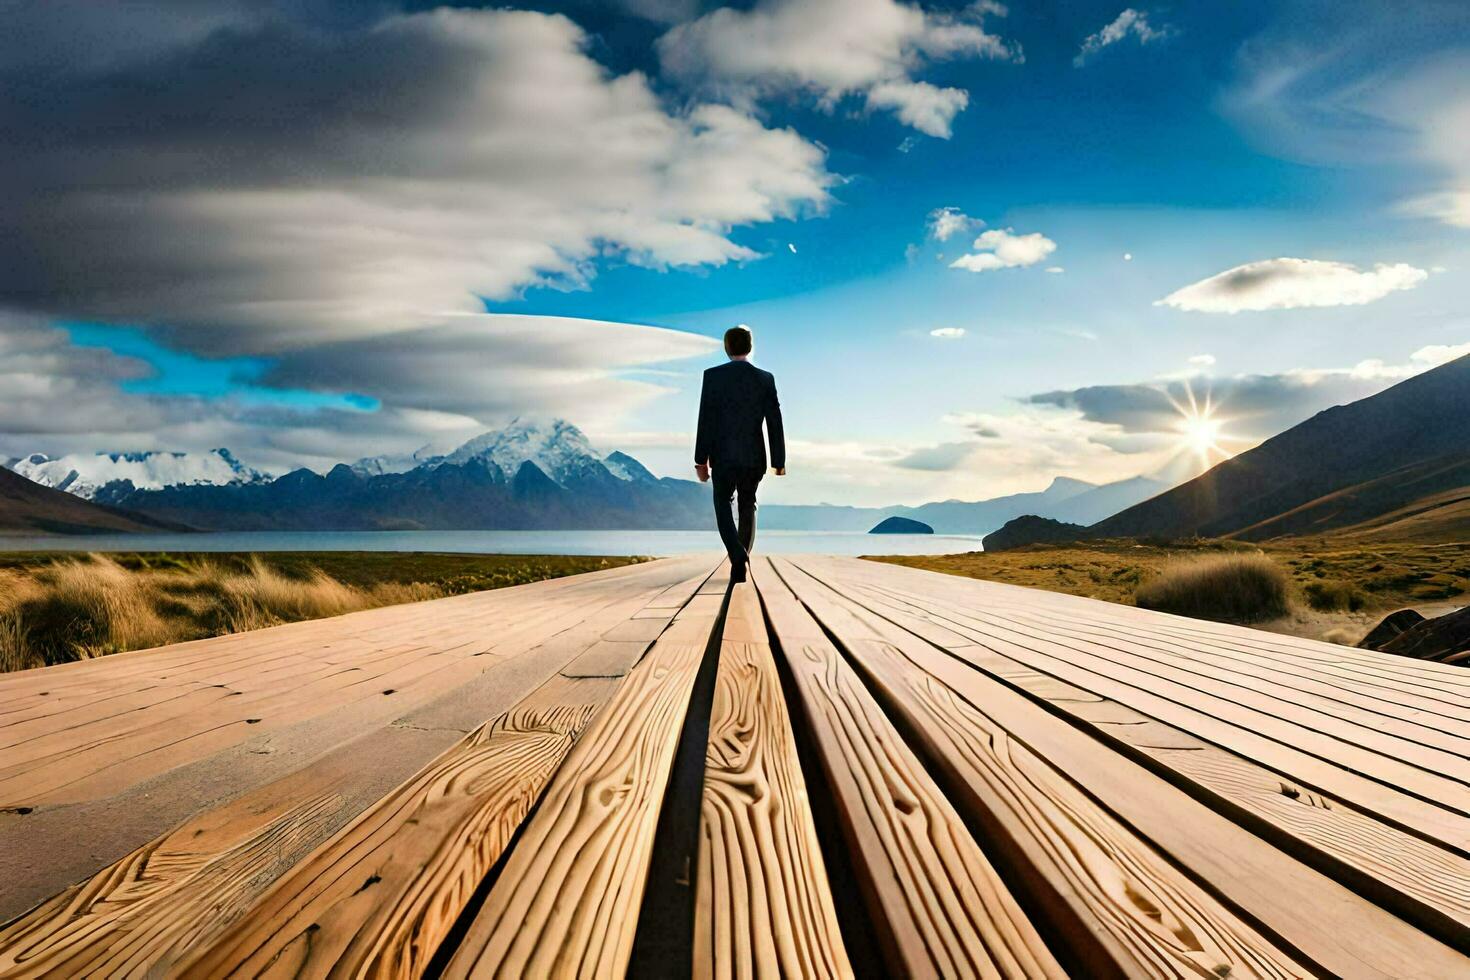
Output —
(763, 906)
(938, 903)
(1120, 909)
(1339, 932)
(379, 898)
(1322, 762)
(566, 901)
(1421, 881)
(408, 655)
(142, 910)
(141, 913)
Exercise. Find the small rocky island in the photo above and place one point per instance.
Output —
(901, 525)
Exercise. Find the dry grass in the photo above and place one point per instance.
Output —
(55, 610)
(1336, 586)
(1335, 595)
(1241, 588)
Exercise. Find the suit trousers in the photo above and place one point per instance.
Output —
(737, 485)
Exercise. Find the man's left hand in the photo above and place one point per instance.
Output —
(780, 471)
(702, 471)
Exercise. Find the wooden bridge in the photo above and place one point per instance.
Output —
(843, 768)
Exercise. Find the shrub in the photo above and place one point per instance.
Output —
(1335, 595)
(1232, 588)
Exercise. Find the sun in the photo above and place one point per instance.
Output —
(1201, 434)
(1201, 429)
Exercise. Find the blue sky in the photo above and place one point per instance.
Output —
(1265, 201)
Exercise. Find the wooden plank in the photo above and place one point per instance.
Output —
(137, 915)
(1444, 715)
(92, 759)
(381, 896)
(1338, 932)
(110, 673)
(762, 906)
(180, 888)
(939, 905)
(566, 901)
(1417, 880)
(1116, 907)
(113, 826)
(1394, 792)
(1221, 661)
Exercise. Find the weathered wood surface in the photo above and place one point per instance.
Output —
(1336, 930)
(1012, 784)
(129, 912)
(940, 906)
(1120, 908)
(566, 902)
(1420, 881)
(763, 906)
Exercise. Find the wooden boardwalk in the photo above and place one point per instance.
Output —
(840, 769)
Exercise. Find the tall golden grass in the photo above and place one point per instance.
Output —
(92, 606)
(1232, 588)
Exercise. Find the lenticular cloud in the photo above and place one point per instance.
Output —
(1286, 284)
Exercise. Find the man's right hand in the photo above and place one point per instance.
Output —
(702, 471)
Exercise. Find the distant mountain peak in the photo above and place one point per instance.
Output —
(1066, 486)
(86, 475)
(557, 447)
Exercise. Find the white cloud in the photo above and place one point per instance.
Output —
(1202, 360)
(1285, 283)
(947, 333)
(439, 158)
(1055, 269)
(1128, 23)
(1376, 369)
(927, 108)
(832, 49)
(1004, 249)
(441, 382)
(1450, 207)
(1127, 256)
(944, 223)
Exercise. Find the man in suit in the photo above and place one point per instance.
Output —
(737, 398)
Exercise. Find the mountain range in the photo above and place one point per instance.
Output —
(529, 475)
(27, 507)
(1393, 466)
(88, 474)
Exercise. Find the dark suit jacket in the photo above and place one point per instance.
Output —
(737, 398)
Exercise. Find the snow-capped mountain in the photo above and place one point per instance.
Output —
(87, 474)
(557, 447)
(394, 462)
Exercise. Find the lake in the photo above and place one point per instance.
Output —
(503, 542)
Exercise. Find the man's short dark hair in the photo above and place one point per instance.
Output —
(738, 341)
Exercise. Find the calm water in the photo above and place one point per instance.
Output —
(504, 542)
